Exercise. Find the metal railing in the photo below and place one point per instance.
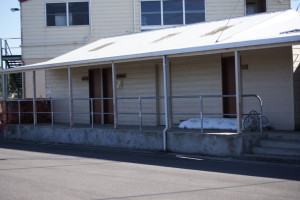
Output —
(139, 105)
(10, 46)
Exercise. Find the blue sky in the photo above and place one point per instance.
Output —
(10, 21)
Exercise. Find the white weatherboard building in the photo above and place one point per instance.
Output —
(244, 55)
(51, 28)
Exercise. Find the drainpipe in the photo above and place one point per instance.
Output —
(166, 99)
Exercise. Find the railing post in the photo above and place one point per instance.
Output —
(92, 112)
(52, 114)
(19, 110)
(34, 99)
(140, 113)
(201, 113)
(260, 116)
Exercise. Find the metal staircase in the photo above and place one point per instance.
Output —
(12, 60)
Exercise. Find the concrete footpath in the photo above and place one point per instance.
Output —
(43, 171)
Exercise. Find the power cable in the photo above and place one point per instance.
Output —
(228, 21)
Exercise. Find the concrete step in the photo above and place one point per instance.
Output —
(273, 158)
(276, 151)
(280, 144)
(284, 136)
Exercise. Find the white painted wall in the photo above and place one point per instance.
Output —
(200, 75)
(269, 75)
(58, 88)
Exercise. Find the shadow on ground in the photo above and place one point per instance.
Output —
(162, 159)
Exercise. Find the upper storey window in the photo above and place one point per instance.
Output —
(67, 14)
(255, 6)
(159, 13)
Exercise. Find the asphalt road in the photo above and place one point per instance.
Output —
(42, 171)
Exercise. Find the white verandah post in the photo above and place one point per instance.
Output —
(70, 97)
(115, 102)
(238, 89)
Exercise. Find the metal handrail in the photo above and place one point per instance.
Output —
(140, 112)
(7, 48)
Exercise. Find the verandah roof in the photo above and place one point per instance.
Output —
(260, 29)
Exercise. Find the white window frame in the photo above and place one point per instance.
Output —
(67, 11)
(151, 27)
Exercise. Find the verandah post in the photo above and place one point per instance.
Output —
(70, 96)
(115, 102)
(238, 89)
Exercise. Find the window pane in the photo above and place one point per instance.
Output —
(79, 13)
(173, 12)
(194, 11)
(150, 6)
(151, 14)
(194, 18)
(56, 14)
(151, 19)
(194, 5)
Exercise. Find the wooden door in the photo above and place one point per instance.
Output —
(228, 86)
(108, 93)
(95, 92)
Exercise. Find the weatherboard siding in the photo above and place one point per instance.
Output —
(109, 17)
(269, 75)
(197, 75)
(220, 9)
(140, 81)
(40, 80)
(273, 5)
(57, 83)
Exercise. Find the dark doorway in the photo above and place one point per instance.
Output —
(95, 92)
(108, 93)
(228, 87)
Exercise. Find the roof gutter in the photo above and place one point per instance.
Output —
(209, 49)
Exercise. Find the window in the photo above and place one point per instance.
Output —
(67, 14)
(255, 6)
(156, 13)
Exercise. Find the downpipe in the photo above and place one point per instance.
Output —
(165, 138)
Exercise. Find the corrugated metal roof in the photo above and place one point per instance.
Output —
(259, 29)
